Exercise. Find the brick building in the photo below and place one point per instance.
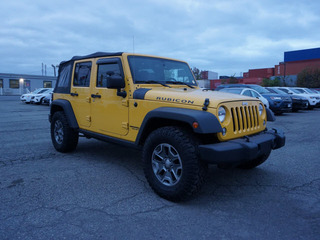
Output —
(288, 70)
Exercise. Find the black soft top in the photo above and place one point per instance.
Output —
(65, 70)
(94, 55)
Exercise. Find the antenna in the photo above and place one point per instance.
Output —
(133, 43)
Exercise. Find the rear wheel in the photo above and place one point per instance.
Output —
(171, 163)
(64, 138)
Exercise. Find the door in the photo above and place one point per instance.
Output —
(109, 111)
(80, 92)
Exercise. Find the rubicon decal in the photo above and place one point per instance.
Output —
(177, 100)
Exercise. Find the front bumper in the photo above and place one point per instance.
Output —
(280, 106)
(244, 149)
(300, 104)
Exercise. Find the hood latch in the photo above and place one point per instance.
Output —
(206, 104)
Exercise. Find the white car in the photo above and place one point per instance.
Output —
(48, 98)
(247, 92)
(26, 98)
(40, 96)
(311, 92)
(311, 98)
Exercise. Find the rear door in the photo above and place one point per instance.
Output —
(80, 92)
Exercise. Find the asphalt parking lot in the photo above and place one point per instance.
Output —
(99, 191)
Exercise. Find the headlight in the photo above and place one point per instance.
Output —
(221, 114)
(260, 109)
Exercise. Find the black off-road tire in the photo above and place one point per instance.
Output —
(179, 142)
(64, 138)
(255, 162)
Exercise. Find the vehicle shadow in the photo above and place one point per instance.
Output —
(220, 184)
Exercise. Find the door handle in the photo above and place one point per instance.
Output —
(95, 96)
(74, 94)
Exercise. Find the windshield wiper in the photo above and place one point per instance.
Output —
(182, 83)
(153, 81)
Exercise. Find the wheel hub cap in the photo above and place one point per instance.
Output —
(166, 164)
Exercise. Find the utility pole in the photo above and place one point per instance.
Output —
(54, 70)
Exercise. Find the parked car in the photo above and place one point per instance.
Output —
(26, 98)
(48, 98)
(277, 103)
(308, 91)
(298, 102)
(247, 92)
(311, 99)
(39, 97)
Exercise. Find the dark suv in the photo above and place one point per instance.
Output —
(298, 102)
(278, 103)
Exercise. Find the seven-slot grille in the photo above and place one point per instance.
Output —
(245, 118)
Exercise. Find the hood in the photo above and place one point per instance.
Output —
(188, 96)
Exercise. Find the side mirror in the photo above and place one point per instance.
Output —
(115, 82)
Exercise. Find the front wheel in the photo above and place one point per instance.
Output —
(171, 163)
(64, 138)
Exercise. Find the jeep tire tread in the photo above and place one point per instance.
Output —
(64, 138)
(179, 178)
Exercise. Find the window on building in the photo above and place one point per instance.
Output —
(1, 83)
(47, 84)
(13, 83)
(82, 74)
(27, 84)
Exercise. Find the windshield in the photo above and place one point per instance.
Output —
(275, 90)
(159, 70)
(231, 90)
(308, 90)
(299, 90)
(43, 90)
(259, 89)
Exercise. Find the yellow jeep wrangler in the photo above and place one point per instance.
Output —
(154, 103)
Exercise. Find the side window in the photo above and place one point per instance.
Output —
(247, 93)
(82, 74)
(106, 70)
(284, 90)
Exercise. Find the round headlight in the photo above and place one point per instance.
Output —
(260, 109)
(221, 114)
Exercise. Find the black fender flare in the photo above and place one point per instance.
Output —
(208, 123)
(56, 105)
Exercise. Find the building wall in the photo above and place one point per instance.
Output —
(294, 68)
(302, 55)
(17, 84)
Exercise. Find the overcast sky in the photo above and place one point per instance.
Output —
(228, 37)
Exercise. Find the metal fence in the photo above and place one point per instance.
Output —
(13, 91)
